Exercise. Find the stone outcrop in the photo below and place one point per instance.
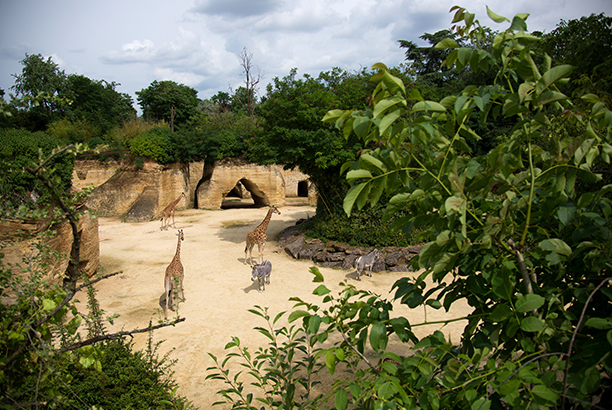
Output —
(341, 255)
(140, 194)
(16, 250)
(266, 183)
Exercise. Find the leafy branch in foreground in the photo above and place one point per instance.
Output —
(522, 233)
(40, 343)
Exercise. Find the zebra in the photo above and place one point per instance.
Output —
(262, 272)
(363, 264)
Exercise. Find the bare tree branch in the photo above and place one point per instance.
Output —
(117, 335)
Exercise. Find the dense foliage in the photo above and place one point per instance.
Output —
(18, 187)
(586, 44)
(48, 95)
(168, 101)
(520, 233)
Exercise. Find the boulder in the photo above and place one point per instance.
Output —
(342, 255)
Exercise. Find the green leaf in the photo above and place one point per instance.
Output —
(378, 336)
(599, 323)
(378, 164)
(318, 276)
(553, 75)
(532, 324)
(49, 304)
(544, 392)
(321, 290)
(388, 120)
(434, 303)
(500, 313)
(332, 115)
(556, 248)
(496, 17)
(548, 97)
(358, 173)
(453, 203)
(341, 399)
(330, 361)
(361, 126)
(314, 322)
(518, 24)
(481, 404)
(529, 303)
(446, 43)
(352, 195)
(566, 213)
(385, 104)
(428, 106)
(296, 314)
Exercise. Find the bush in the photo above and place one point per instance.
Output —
(154, 143)
(363, 228)
(128, 380)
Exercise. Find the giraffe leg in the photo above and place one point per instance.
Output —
(261, 247)
(168, 290)
(181, 288)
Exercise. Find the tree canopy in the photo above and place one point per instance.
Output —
(168, 101)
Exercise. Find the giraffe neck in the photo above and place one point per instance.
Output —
(177, 255)
(177, 201)
(264, 224)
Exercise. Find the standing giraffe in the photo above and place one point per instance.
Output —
(174, 276)
(169, 210)
(258, 236)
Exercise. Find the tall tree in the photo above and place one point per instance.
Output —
(585, 43)
(98, 102)
(167, 100)
(43, 79)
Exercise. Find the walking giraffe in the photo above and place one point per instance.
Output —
(258, 236)
(174, 277)
(169, 210)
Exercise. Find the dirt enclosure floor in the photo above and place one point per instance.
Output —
(218, 287)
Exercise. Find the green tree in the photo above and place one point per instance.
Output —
(167, 100)
(97, 102)
(294, 136)
(40, 78)
(586, 44)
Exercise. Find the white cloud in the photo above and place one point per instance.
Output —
(197, 42)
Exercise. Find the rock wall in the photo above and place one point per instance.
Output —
(16, 250)
(140, 194)
(265, 183)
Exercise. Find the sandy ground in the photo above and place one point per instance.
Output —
(218, 286)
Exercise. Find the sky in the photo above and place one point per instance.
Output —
(198, 42)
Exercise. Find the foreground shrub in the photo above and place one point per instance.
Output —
(128, 379)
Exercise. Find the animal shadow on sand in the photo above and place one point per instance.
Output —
(237, 234)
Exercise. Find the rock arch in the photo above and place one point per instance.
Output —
(265, 183)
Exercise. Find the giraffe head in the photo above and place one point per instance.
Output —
(274, 210)
(180, 235)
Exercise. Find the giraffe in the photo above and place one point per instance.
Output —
(258, 236)
(169, 210)
(174, 276)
